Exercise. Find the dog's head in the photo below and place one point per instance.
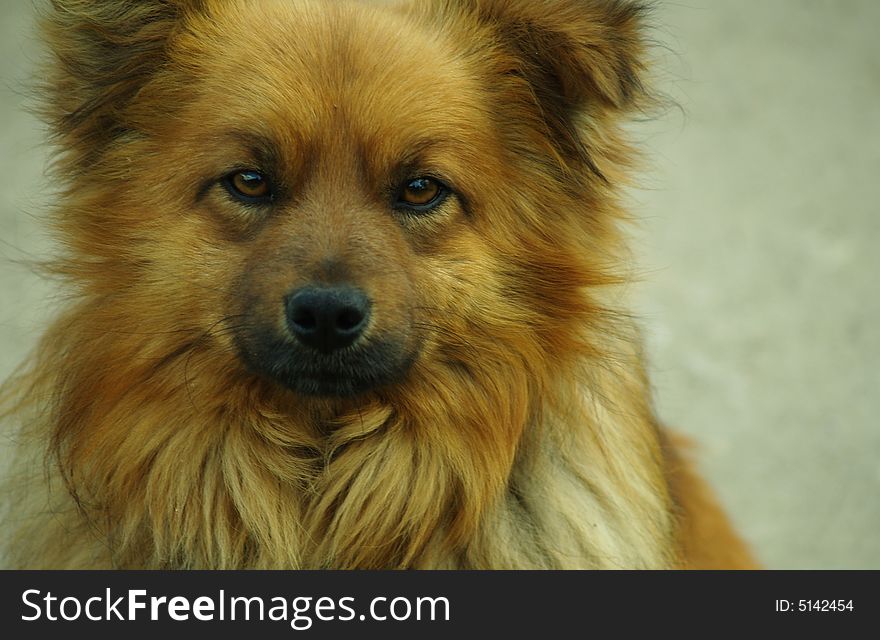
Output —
(347, 196)
(333, 258)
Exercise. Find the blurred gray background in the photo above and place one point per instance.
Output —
(759, 249)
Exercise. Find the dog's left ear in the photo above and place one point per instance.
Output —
(574, 53)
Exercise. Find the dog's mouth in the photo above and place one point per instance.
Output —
(349, 372)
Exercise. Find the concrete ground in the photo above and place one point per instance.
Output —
(758, 244)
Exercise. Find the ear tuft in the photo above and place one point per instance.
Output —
(555, 66)
(102, 52)
(579, 52)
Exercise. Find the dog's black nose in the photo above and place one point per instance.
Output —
(327, 318)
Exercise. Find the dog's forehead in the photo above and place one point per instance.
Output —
(314, 68)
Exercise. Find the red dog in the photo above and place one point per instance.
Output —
(345, 294)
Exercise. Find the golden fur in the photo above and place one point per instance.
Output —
(522, 433)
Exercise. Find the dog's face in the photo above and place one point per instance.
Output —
(332, 158)
(350, 197)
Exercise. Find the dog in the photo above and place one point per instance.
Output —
(344, 287)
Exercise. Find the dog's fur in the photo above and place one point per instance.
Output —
(510, 423)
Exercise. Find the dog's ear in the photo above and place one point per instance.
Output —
(574, 53)
(102, 52)
(549, 63)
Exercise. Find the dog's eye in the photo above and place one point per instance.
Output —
(250, 187)
(421, 194)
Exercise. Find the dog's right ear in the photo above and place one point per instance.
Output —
(573, 52)
(549, 62)
(102, 52)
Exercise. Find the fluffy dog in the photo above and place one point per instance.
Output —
(344, 284)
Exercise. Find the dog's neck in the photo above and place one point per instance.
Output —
(567, 474)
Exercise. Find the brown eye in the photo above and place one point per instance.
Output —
(421, 194)
(248, 186)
